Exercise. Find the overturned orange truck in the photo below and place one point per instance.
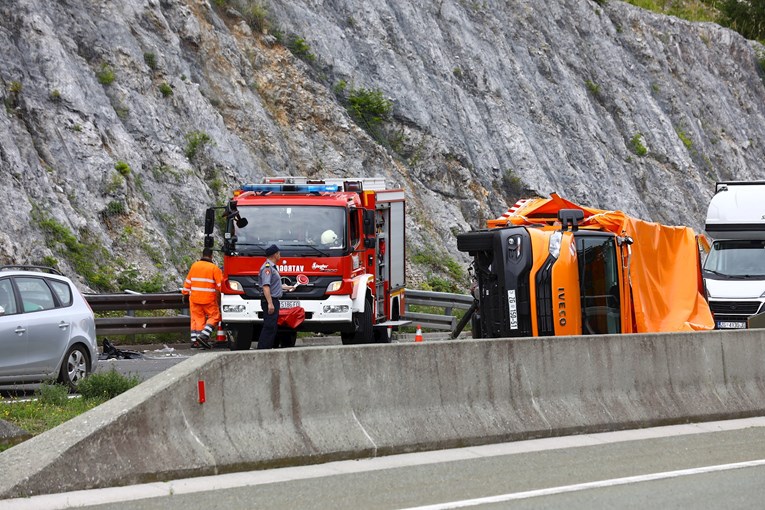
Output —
(549, 267)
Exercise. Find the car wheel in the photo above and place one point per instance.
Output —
(75, 367)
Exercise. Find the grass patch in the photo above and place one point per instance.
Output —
(195, 142)
(636, 142)
(300, 48)
(84, 256)
(166, 89)
(151, 60)
(683, 136)
(105, 75)
(52, 406)
(691, 10)
(123, 168)
(106, 385)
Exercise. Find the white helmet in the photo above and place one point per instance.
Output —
(328, 237)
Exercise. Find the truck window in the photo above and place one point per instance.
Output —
(737, 258)
(297, 230)
(599, 284)
(355, 227)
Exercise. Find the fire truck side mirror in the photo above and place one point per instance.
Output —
(369, 222)
(209, 221)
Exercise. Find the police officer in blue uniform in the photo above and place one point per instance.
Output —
(271, 284)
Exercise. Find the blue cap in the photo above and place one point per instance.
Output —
(271, 250)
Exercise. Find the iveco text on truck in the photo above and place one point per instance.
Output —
(551, 267)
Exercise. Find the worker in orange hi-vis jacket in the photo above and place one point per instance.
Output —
(202, 287)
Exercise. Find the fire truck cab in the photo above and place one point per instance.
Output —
(341, 242)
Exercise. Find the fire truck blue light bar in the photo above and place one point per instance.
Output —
(299, 188)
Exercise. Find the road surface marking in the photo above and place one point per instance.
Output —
(551, 491)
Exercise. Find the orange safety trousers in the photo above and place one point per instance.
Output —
(203, 314)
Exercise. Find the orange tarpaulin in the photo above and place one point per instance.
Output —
(665, 271)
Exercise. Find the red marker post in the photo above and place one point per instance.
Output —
(201, 391)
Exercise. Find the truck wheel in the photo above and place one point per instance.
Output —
(475, 325)
(381, 335)
(363, 324)
(243, 334)
(480, 240)
(286, 338)
(365, 331)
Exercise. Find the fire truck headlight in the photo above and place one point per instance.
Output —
(335, 286)
(555, 239)
(235, 285)
(234, 308)
(336, 308)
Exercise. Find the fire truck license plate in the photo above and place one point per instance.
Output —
(512, 308)
(289, 304)
(731, 325)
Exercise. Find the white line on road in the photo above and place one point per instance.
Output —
(250, 478)
(588, 485)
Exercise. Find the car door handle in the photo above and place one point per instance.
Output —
(63, 325)
(20, 330)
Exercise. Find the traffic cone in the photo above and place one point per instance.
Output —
(221, 336)
(418, 335)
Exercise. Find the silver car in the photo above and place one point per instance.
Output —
(47, 329)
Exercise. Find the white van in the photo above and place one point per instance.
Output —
(734, 270)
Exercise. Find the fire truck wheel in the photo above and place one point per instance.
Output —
(363, 324)
(242, 340)
(381, 336)
(286, 338)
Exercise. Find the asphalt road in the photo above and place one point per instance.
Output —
(713, 465)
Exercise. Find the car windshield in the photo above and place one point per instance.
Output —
(737, 258)
(296, 230)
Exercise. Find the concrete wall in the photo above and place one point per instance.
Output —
(307, 405)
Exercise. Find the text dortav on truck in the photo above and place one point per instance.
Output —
(734, 269)
(549, 267)
(341, 241)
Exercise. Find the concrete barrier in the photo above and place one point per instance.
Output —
(309, 405)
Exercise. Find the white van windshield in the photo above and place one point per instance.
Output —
(737, 258)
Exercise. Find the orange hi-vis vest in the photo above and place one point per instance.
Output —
(203, 282)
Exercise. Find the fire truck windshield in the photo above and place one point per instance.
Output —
(296, 230)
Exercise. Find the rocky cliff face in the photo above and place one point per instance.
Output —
(123, 121)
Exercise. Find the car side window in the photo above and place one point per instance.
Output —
(7, 299)
(63, 292)
(35, 294)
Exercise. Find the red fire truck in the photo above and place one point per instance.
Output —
(341, 241)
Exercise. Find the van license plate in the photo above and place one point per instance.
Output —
(289, 304)
(731, 325)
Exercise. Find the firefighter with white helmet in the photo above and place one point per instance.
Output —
(328, 237)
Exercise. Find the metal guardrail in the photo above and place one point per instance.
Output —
(444, 300)
(131, 325)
